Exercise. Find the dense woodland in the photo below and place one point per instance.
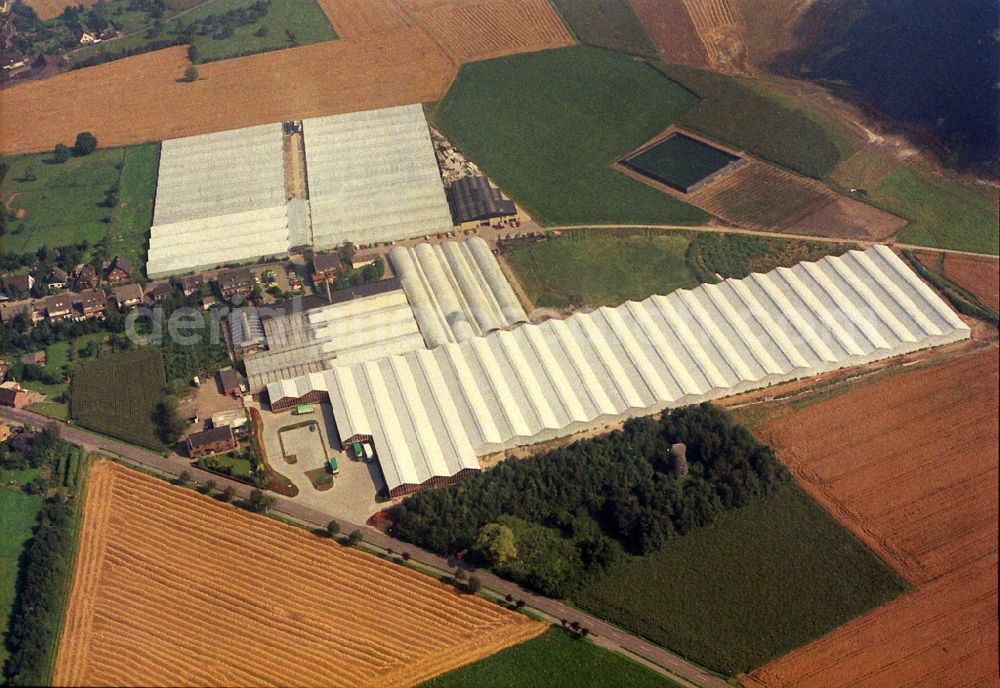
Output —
(556, 520)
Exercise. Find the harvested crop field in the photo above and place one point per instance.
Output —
(472, 30)
(670, 28)
(353, 18)
(48, 9)
(917, 482)
(978, 276)
(173, 588)
(141, 96)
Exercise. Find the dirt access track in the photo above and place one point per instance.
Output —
(141, 98)
(917, 481)
(175, 588)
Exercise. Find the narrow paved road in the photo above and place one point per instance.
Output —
(607, 635)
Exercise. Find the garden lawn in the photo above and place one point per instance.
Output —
(601, 269)
(18, 513)
(760, 582)
(553, 152)
(302, 18)
(554, 660)
(63, 205)
(242, 469)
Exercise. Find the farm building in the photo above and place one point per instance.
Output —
(431, 413)
(11, 394)
(474, 201)
(373, 177)
(230, 381)
(360, 324)
(246, 331)
(457, 290)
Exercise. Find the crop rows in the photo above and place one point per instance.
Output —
(353, 18)
(177, 589)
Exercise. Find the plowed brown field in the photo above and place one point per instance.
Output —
(670, 28)
(173, 588)
(47, 9)
(910, 465)
(353, 18)
(472, 30)
(978, 276)
(140, 98)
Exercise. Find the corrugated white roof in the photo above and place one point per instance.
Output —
(431, 412)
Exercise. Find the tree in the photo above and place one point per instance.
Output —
(86, 143)
(169, 425)
(474, 585)
(229, 494)
(184, 478)
(260, 502)
(190, 74)
(460, 575)
(61, 153)
(210, 487)
(332, 528)
(496, 543)
(355, 538)
(38, 485)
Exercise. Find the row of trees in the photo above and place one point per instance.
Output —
(86, 143)
(554, 521)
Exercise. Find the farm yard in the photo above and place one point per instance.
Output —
(215, 606)
(783, 573)
(117, 394)
(555, 660)
(139, 94)
(918, 483)
(553, 155)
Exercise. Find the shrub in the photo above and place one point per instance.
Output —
(86, 143)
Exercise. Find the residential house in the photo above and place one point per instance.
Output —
(12, 395)
(119, 271)
(57, 279)
(326, 267)
(212, 441)
(159, 291)
(86, 277)
(206, 302)
(92, 303)
(17, 284)
(128, 295)
(58, 307)
(190, 284)
(232, 283)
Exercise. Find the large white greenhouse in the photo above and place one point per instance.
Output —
(431, 413)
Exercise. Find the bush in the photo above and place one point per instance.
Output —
(355, 538)
(190, 74)
(333, 528)
(62, 153)
(86, 143)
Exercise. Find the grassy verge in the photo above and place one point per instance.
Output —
(600, 268)
(554, 659)
(18, 514)
(553, 153)
(755, 585)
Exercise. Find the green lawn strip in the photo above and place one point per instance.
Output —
(134, 215)
(64, 204)
(553, 154)
(554, 659)
(241, 468)
(601, 269)
(52, 409)
(56, 357)
(760, 582)
(18, 512)
(302, 18)
(943, 214)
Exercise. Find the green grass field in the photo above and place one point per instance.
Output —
(601, 269)
(755, 585)
(303, 18)
(610, 24)
(117, 393)
(134, 214)
(942, 214)
(63, 205)
(554, 660)
(18, 512)
(552, 152)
